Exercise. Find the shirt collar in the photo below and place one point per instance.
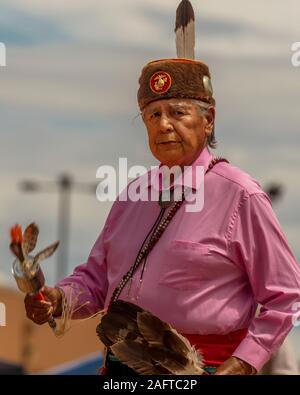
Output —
(190, 176)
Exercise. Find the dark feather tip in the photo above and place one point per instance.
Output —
(105, 340)
(184, 14)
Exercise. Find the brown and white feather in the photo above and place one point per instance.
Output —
(30, 237)
(185, 30)
(45, 253)
(137, 357)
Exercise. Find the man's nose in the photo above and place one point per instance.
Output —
(165, 124)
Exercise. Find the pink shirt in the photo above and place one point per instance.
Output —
(209, 269)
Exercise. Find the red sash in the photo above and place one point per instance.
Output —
(217, 348)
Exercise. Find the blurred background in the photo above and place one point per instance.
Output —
(68, 105)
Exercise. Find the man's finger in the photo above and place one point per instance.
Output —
(40, 317)
(38, 304)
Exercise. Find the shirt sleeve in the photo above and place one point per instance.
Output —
(258, 245)
(85, 290)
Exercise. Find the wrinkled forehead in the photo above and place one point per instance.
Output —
(169, 104)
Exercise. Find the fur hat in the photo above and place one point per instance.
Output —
(175, 78)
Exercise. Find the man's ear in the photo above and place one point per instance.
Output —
(210, 119)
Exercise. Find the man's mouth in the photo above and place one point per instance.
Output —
(168, 142)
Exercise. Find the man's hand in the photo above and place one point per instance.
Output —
(40, 311)
(235, 366)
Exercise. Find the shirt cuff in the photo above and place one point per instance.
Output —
(75, 300)
(253, 353)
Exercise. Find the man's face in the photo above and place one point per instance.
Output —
(177, 131)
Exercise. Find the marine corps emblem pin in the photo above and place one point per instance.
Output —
(160, 82)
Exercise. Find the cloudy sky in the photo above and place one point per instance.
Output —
(68, 101)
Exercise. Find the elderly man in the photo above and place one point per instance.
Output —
(206, 270)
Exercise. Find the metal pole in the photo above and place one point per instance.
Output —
(64, 209)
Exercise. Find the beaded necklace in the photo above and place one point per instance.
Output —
(156, 235)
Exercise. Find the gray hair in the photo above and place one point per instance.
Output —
(203, 107)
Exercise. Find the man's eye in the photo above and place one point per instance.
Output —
(178, 112)
(154, 115)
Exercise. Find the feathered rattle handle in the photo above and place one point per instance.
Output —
(26, 269)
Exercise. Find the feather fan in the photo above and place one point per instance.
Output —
(145, 343)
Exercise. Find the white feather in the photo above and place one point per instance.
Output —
(185, 41)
